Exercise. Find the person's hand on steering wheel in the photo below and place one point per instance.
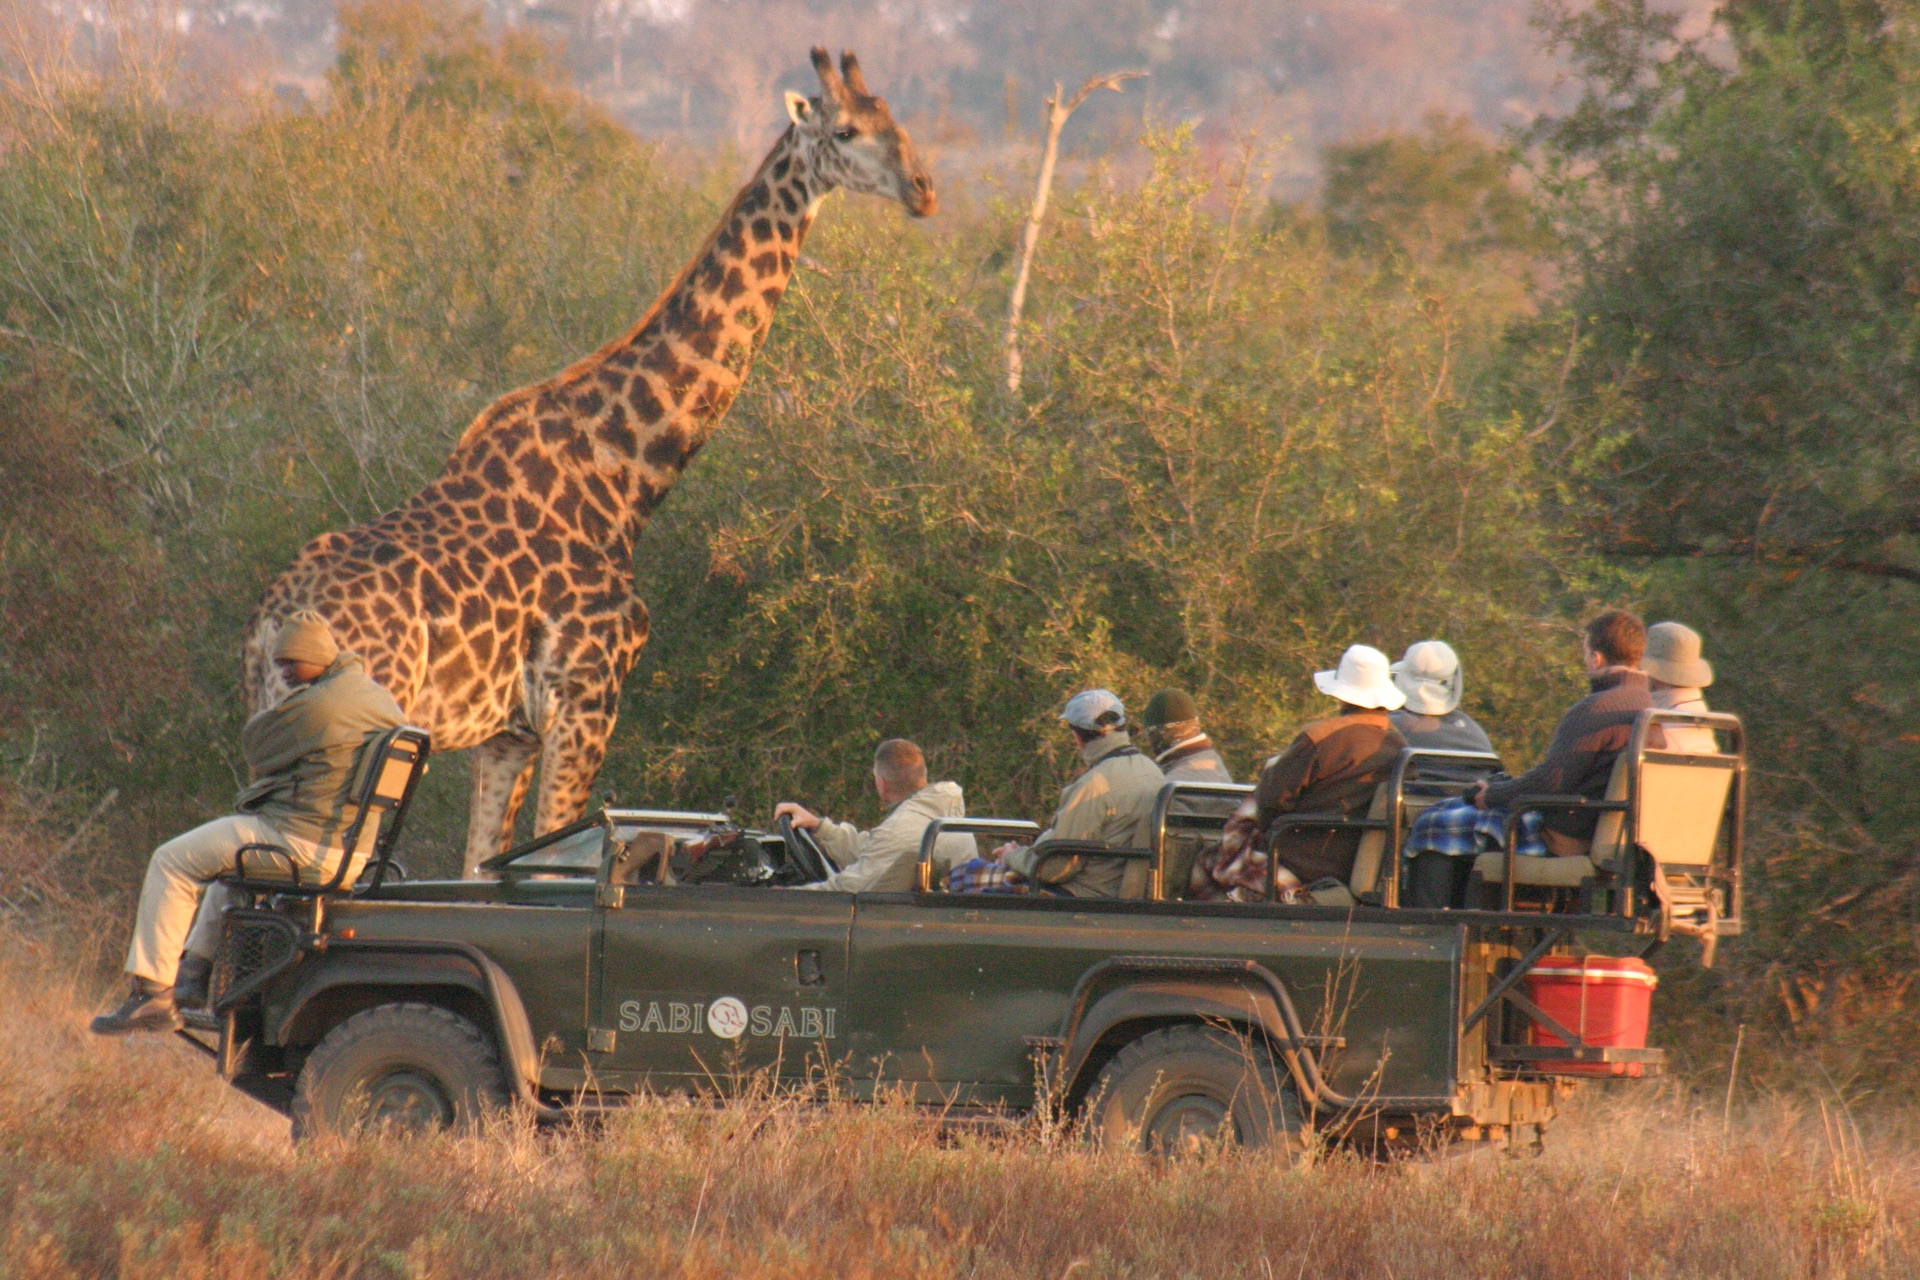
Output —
(802, 818)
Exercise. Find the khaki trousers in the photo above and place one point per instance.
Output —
(182, 868)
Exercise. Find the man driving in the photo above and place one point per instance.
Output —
(884, 860)
(302, 756)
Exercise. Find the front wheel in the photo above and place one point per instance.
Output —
(405, 1068)
(1182, 1090)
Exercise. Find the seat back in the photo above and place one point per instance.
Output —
(1421, 778)
(390, 769)
(1373, 844)
(1187, 817)
(1610, 833)
(1683, 802)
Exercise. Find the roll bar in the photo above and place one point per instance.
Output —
(1012, 828)
(1162, 808)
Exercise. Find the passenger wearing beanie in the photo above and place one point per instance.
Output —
(1183, 752)
(301, 756)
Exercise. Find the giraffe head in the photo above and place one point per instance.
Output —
(854, 140)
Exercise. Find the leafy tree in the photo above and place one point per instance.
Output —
(1745, 232)
(1441, 196)
(1737, 412)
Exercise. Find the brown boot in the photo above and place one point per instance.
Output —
(149, 1008)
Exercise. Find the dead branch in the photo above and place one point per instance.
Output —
(1059, 108)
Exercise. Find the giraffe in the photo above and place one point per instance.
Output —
(497, 604)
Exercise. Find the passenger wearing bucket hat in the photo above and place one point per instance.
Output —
(1182, 750)
(1677, 675)
(1429, 674)
(302, 756)
(1332, 767)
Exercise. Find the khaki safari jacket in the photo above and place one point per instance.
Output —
(1112, 802)
(303, 753)
(885, 859)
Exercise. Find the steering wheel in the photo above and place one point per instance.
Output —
(803, 850)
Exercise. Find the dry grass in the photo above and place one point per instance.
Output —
(129, 1159)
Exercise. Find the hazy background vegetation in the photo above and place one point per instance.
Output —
(1404, 375)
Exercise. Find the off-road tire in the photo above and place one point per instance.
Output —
(405, 1067)
(1182, 1089)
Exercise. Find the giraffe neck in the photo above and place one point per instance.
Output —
(628, 419)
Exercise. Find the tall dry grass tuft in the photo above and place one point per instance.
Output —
(128, 1159)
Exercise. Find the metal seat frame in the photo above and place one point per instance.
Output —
(406, 745)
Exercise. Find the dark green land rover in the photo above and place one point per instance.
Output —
(649, 950)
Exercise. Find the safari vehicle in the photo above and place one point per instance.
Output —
(652, 950)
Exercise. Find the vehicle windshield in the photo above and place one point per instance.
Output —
(578, 850)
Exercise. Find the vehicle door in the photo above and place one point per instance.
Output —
(697, 986)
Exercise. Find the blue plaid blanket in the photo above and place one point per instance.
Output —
(984, 875)
(1456, 828)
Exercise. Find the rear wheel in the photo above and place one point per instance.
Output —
(403, 1068)
(1186, 1089)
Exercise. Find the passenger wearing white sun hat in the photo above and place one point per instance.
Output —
(1331, 768)
(1429, 674)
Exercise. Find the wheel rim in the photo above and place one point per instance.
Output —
(1189, 1124)
(406, 1102)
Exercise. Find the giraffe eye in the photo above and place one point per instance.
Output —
(846, 133)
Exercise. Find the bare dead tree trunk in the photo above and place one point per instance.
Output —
(619, 42)
(1059, 108)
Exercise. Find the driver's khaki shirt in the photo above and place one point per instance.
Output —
(884, 860)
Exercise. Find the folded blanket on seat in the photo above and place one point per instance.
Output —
(1457, 829)
(984, 875)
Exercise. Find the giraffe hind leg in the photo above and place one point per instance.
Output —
(570, 758)
(502, 768)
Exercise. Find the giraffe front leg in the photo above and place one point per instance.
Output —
(502, 769)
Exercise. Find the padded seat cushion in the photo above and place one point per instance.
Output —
(1550, 873)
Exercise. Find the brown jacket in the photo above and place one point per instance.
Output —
(1332, 767)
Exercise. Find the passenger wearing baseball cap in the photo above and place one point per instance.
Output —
(1182, 750)
(1676, 679)
(1331, 768)
(1111, 803)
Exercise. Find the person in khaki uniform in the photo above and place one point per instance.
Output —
(302, 756)
(1111, 803)
(886, 859)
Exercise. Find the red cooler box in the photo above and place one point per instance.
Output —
(1605, 999)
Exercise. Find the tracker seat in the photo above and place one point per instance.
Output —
(1669, 835)
(389, 769)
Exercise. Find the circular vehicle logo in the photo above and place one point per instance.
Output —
(727, 1017)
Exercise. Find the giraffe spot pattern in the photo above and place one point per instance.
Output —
(512, 570)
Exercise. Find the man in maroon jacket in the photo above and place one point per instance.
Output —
(1579, 761)
(1590, 736)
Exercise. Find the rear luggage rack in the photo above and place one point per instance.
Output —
(1542, 1059)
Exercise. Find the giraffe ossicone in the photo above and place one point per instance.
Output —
(497, 604)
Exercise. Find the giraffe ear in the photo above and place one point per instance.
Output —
(799, 110)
